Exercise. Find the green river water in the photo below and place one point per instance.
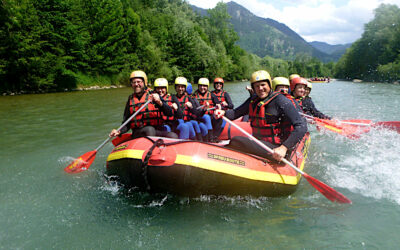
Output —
(43, 207)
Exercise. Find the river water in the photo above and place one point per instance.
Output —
(41, 206)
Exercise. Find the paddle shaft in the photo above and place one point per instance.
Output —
(262, 144)
(350, 123)
(123, 124)
(200, 107)
(356, 123)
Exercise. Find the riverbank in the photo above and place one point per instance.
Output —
(79, 88)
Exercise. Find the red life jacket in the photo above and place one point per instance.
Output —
(168, 99)
(295, 102)
(187, 116)
(220, 95)
(299, 100)
(149, 116)
(203, 99)
(271, 132)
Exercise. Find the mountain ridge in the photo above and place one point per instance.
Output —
(268, 37)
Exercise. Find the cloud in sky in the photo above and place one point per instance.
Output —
(331, 21)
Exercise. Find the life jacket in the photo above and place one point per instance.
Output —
(203, 99)
(149, 116)
(299, 100)
(295, 102)
(187, 115)
(220, 95)
(271, 131)
(168, 99)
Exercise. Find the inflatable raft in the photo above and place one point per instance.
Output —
(227, 133)
(192, 168)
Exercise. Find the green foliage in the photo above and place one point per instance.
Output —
(51, 45)
(305, 66)
(375, 56)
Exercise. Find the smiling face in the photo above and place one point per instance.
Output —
(162, 91)
(299, 90)
(180, 89)
(218, 85)
(307, 91)
(137, 85)
(262, 89)
(203, 89)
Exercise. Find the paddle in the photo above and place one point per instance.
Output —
(353, 129)
(393, 125)
(83, 162)
(324, 189)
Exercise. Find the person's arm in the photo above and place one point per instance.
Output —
(310, 109)
(214, 99)
(299, 124)
(233, 114)
(163, 107)
(178, 113)
(194, 109)
(229, 101)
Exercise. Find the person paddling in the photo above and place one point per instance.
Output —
(282, 85)
(189, 108)
(221, 94)
(274, 120)
(149, 121)
(172, 124)
(208, 101)
(299, 88)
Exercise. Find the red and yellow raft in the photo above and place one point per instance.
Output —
(192, 168)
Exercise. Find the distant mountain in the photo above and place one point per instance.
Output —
(201, 11)
(334, 50)
(267, 37)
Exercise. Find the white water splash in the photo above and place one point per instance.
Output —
(261, 203)
(66, 160)
(112, 187)
(370, 165)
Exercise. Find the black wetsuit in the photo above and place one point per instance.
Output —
(279, 109)
(310, 109)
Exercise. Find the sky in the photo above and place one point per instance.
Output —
(330, 21)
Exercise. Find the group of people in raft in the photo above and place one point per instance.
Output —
(274, 114)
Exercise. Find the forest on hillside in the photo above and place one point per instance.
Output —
(54, 45)
(376, 55)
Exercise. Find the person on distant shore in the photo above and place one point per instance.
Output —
(208, 102)
(274, 120)
(148, 122)
(309, 106)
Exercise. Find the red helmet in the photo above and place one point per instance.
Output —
(297, 80)
(219, 79)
